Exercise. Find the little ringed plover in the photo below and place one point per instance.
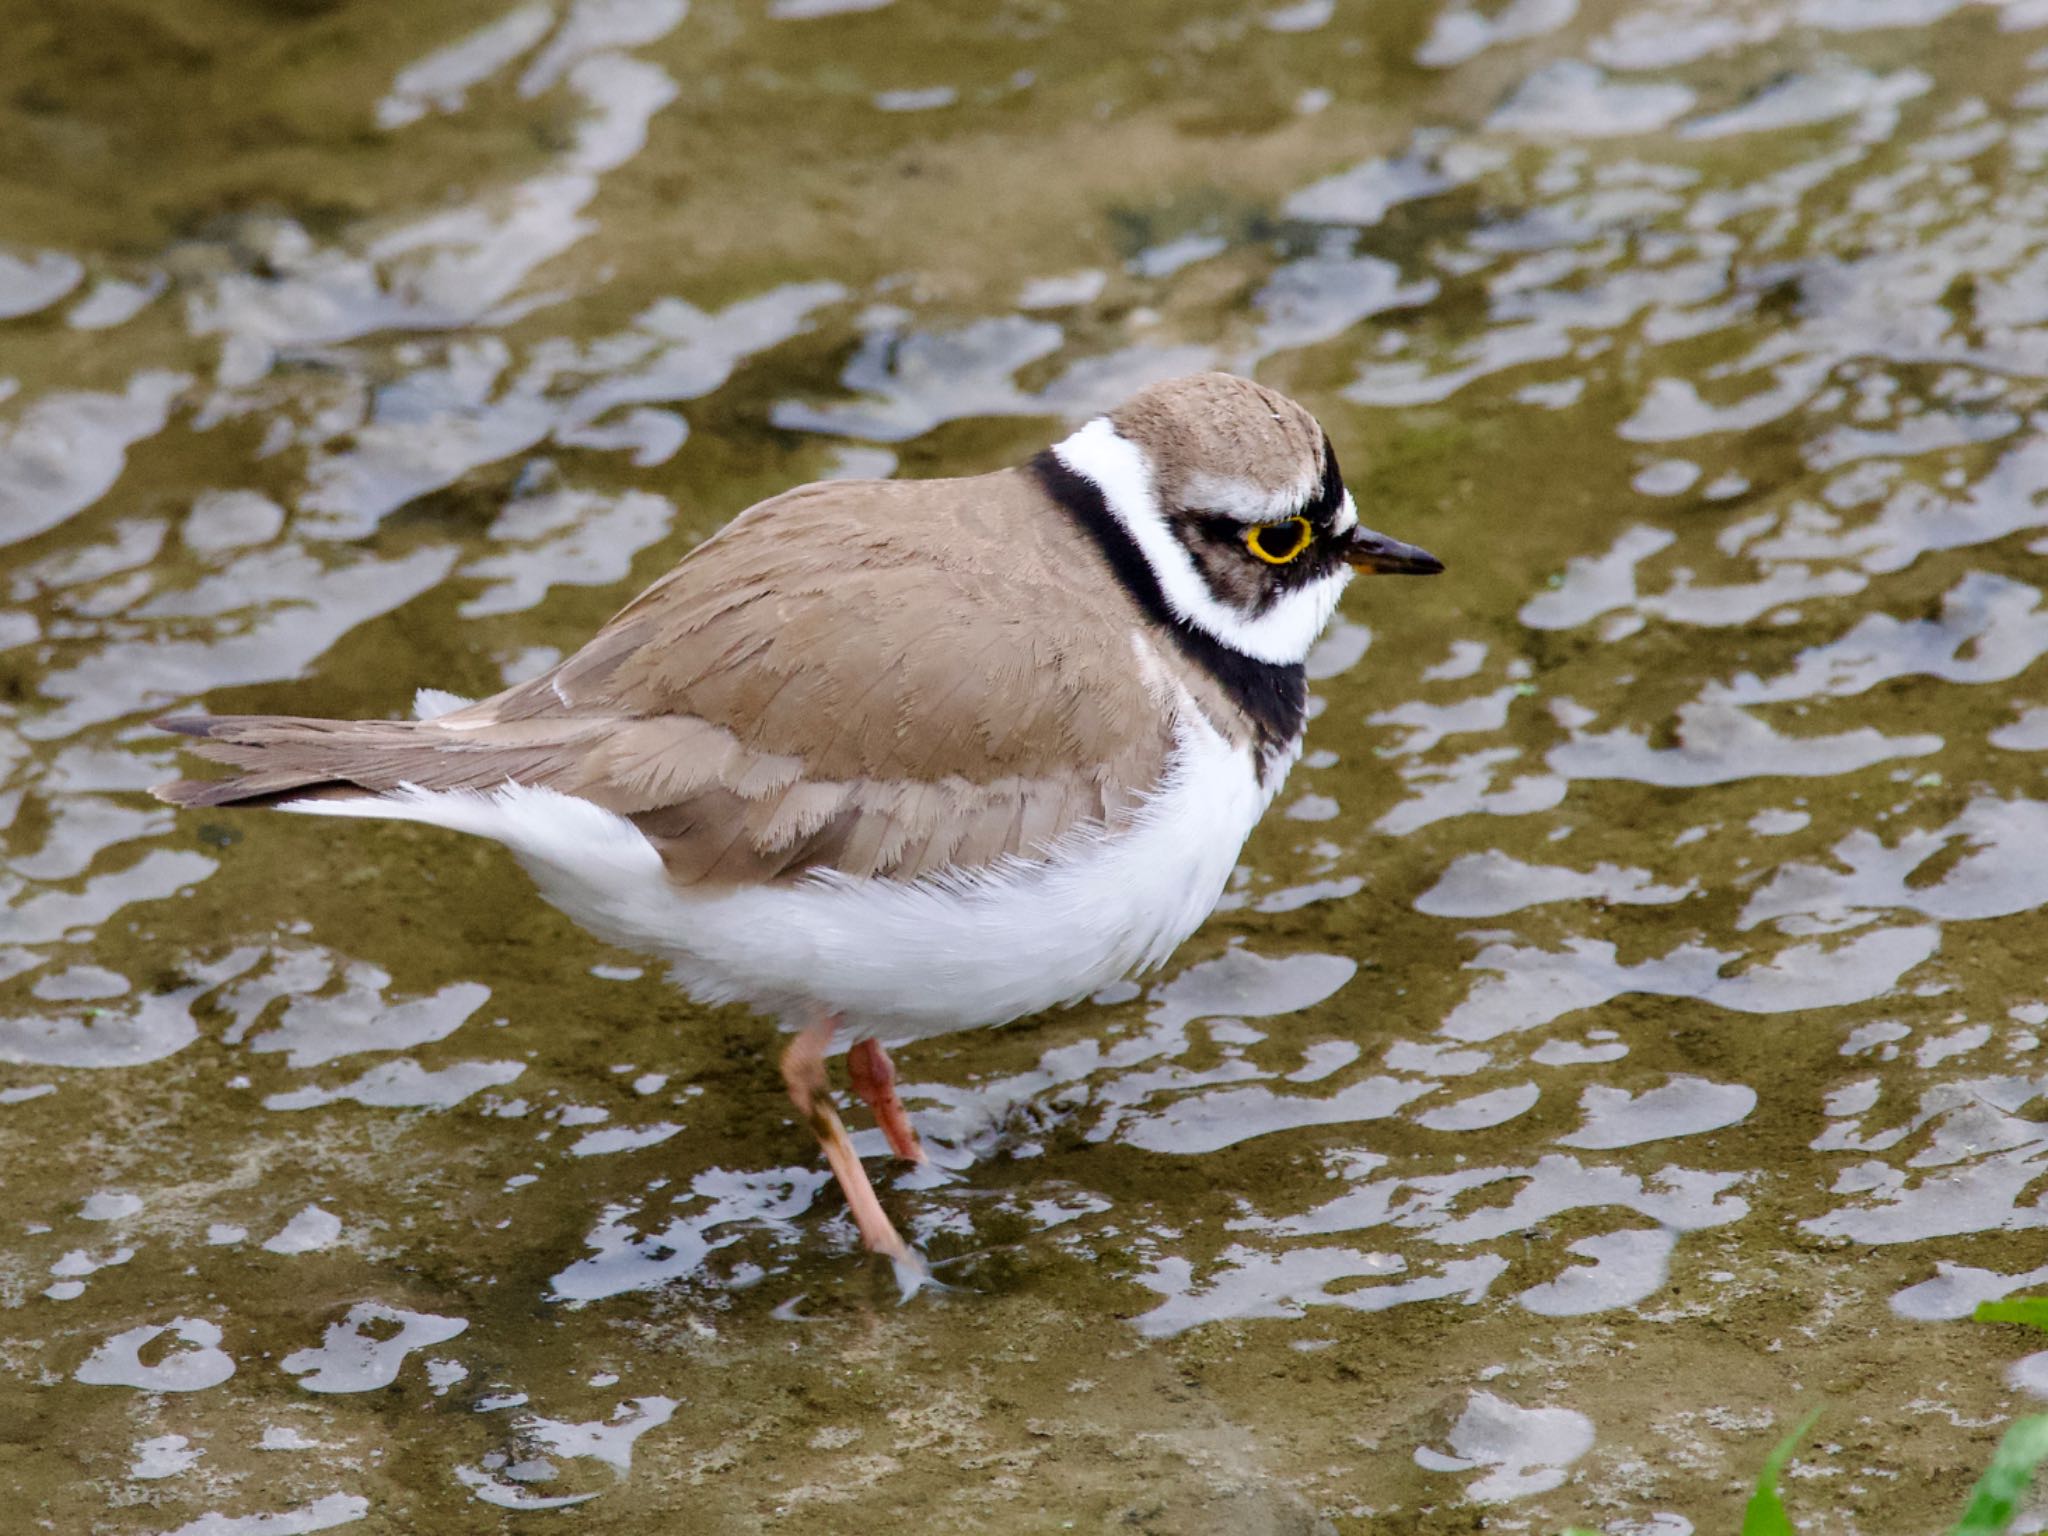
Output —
(890, 758)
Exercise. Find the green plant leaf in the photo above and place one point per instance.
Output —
(1996, 1498)
(2031, 1310)
(1765, 1515)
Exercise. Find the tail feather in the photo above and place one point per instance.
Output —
(203, 794)
(285, 758)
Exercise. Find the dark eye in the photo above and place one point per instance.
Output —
(1278, 543)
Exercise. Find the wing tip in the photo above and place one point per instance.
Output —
(194, 793)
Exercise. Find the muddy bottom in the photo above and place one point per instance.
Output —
(1624, 1034)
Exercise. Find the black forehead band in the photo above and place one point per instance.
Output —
(1329, 496)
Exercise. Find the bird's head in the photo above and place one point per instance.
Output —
(1232, 496)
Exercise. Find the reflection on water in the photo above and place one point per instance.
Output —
(1643, 966)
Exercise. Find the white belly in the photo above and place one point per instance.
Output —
(896, 959)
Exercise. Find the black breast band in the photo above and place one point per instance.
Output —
(1273, 697)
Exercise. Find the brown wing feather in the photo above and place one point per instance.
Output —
(878, 678)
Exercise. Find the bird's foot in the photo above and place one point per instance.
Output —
(803, 1070)
(873, 1076)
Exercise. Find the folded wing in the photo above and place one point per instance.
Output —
(879, 679)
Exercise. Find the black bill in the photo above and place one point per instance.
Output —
(1375, 552)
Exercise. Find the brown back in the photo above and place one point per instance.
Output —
(878, 678)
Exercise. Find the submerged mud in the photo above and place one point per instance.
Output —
(1625, 1033)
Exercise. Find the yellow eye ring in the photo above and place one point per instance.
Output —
(1266, 540)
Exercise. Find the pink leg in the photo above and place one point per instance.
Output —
(873, 1076)
(803, 1069)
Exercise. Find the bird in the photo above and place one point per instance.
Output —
(884, 759)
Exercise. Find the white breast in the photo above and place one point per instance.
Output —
(896, 959)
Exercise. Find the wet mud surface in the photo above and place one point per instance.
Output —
(1624, 1034)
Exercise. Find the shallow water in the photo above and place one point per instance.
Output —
(1626, 1032)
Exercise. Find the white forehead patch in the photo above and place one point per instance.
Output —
(1248, 502)
(1347, 516)
(1119, 469)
